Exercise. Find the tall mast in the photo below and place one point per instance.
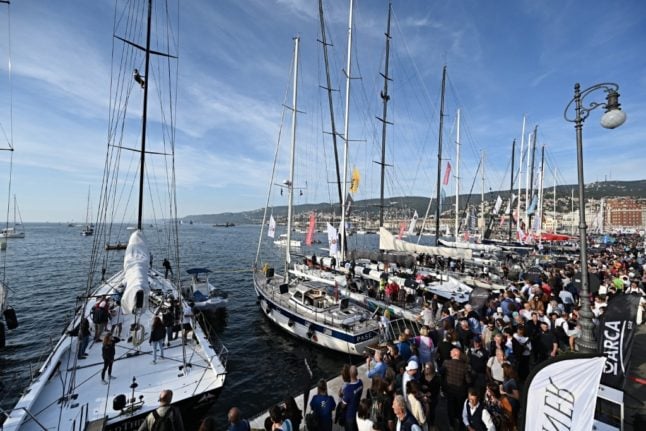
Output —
(439, 160)
(330, 104)
(346, 128)
(555, 230)
(511, 186)
(520, 174)
(456, 226)
(531, 177)
(290, 185)
(539, 223)
(385, 98)
(481, 223)
(144, 119)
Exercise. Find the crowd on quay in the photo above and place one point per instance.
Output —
(474, 360)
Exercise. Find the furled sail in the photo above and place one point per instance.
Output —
(387, 241)
(135, 267)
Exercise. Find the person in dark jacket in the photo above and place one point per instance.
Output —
(108, 352)
(84, 337)
(157, 335)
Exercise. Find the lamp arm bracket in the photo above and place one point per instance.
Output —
(583, 112)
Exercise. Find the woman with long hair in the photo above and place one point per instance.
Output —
(108, 352)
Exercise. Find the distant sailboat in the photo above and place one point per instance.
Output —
(88, 229)
(13, 231)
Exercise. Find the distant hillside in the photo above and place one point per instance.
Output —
(370, 207)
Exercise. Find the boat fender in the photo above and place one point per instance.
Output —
(311, 333)
(137, 334)
(2, 337)
(268, 310)
(290, 323)
(10, 318)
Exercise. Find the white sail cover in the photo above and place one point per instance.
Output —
(489, 248)
(387, 241)
(135, 268)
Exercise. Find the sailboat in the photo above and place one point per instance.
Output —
(308, 309)
(6, 310)
(14, 231)
(69, 392)
(88, 229)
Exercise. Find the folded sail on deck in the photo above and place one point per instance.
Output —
(136, 263)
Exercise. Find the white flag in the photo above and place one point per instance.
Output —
(332, 239)
(562, 394)
(513, 197)
(496, 207)
(413, 221)
(271, 232)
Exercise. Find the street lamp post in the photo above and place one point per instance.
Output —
(614, 117)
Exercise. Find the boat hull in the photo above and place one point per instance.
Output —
(312, 330)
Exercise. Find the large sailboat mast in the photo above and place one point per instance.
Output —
(330, 104)
(439, 160)
(346, 129)
(385, 97)
(290, 185)
(511, 186)
(144, 119)
(456, 226)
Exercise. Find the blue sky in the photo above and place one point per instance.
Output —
(505, 59)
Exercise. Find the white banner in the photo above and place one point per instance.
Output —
(497, 206)
(562, 395)
(332, 238)
(413, 221)
(271, 232)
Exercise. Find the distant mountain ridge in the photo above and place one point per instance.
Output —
(370, 207)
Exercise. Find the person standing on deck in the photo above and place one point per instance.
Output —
(168, 268)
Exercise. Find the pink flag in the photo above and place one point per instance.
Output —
(447, 173)
(402, 229)
(310, 229)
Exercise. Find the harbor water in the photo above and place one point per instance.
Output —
(47, 271)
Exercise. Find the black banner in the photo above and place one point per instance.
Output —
(616, 341)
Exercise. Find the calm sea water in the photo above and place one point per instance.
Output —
(48, 269)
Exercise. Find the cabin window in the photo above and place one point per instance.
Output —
(298, 296)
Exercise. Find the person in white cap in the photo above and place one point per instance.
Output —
(411, 370)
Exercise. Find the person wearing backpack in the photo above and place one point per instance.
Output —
(322, 406)
(165, 417)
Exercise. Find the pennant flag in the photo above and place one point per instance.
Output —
(413, 221)
(617, 334)
(402, 229)
(561, 394)
(447, 173)
(356, 178)
(271, 232)
(532, 207)
(310, 229)
(332, 238)
(498, 204)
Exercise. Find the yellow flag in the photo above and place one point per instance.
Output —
(354, 183)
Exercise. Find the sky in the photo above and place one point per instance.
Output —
(505, 60)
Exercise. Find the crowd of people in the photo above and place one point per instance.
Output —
(473, 360)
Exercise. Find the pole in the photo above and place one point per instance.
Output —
(511, 186)
(457, 178)
(144, 120)
(439, 161)
(346, 130)
(586, 342)
(385, 98)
